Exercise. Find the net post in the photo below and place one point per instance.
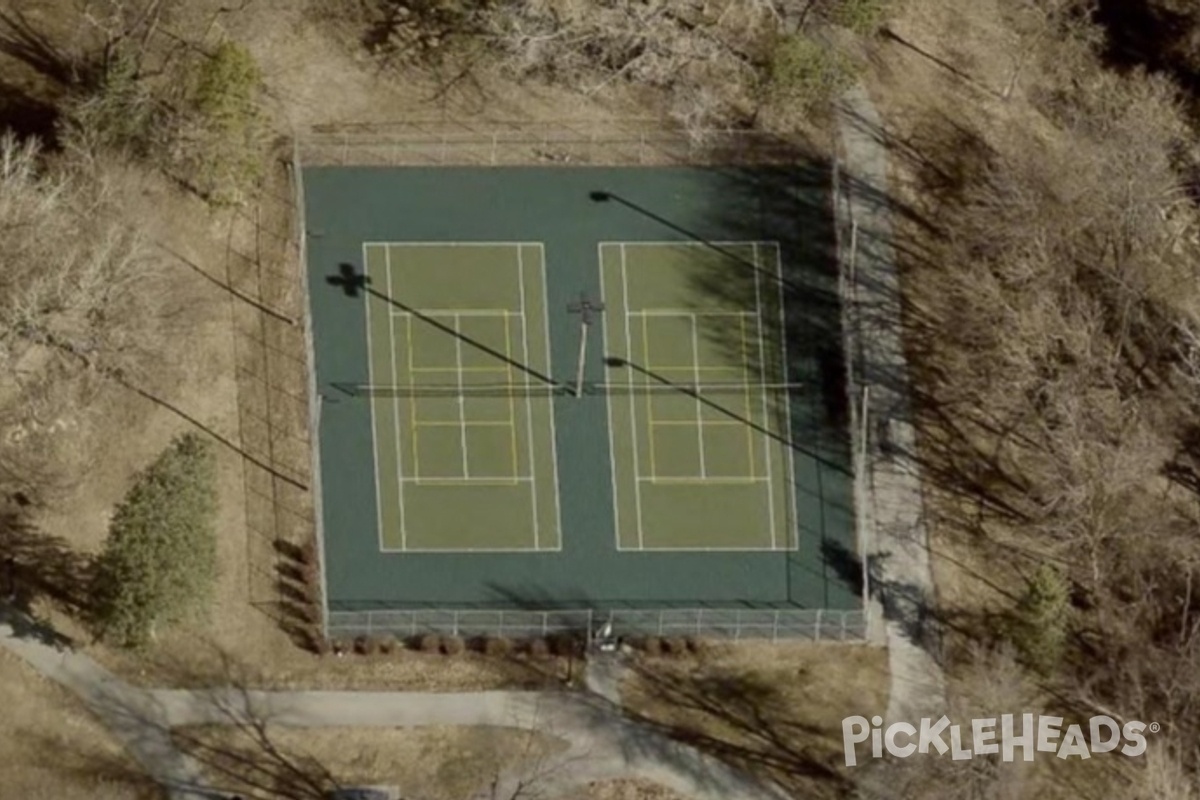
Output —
(817, 632)
(775, 628)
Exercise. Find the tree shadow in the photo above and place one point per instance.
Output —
(37, 564)
(743, 721)
(1148, 34)
(27, 116)
(21, 40)
(222, 741)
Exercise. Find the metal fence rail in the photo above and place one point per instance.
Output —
(770, 624)
(613, 142)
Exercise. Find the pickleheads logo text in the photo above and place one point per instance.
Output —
(1026, 733)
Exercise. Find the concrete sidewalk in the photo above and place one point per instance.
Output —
(897, 547)
(602, 743)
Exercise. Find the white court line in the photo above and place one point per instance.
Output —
(747, 408)
(790, 451)
(608, 404)
(659, 549)
(528, 402)
(509, 243)
(374, 421)
(648, 364)
(512, 401)
(692, 243)
(498, 370)
(482, 480)
(458, 314)
(471, 550)
(472, 479)
(669, 479)
(683, 312)
(448, 424)
(454, 312)
(699, 405)
(549, 370)
(387, 257)
(762, 360)
(637, 467)
(462, 402)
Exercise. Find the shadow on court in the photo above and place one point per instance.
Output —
(788, 205)
(355, 284)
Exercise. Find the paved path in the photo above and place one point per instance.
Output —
(898, 551)
(602, 743)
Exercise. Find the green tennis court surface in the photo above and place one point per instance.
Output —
(689, 475)
(577, 387)
(464, 472)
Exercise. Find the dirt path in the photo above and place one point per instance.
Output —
(602, 743)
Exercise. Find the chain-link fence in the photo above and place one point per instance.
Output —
(769, 624)
(608, 143)
(635, 141)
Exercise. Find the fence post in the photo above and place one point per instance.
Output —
(817, 633)
(775, 628)
(495, 146)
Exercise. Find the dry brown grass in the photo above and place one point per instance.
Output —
(979, 563)
(52, 748)
(626, 789)
(439, 763)
(233, 364)
(776, 708)
(184, 660)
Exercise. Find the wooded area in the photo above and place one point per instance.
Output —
(1048, 233)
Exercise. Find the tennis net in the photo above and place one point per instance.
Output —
(455, 390)
(681, 387)
(533, 389)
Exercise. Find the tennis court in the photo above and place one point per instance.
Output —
(460, 467)
(568, 387)
(694, 464)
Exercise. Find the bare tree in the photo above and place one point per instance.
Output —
(78, 295)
